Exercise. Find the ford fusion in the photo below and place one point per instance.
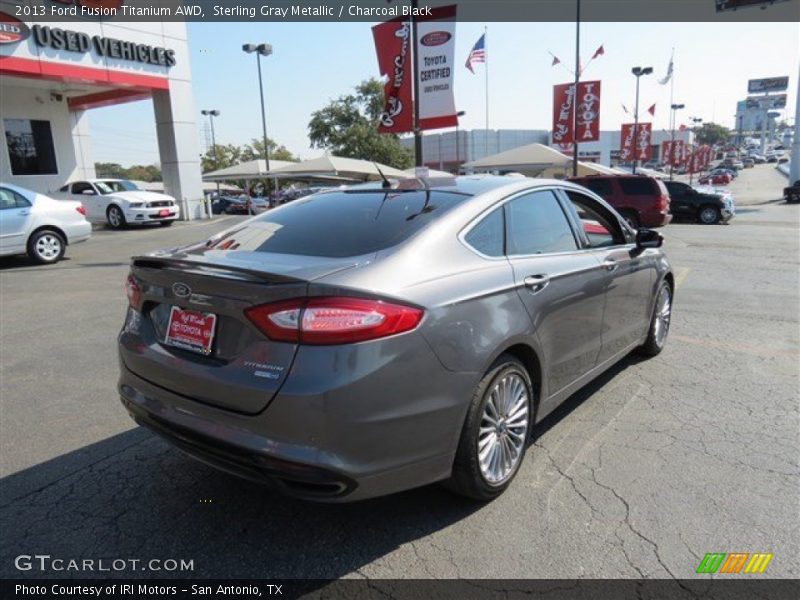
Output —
(367, 340)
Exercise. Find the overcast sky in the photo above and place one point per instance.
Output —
(313, 63)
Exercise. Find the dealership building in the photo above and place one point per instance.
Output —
(449, 149)
(53, 74)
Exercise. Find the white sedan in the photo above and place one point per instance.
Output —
(39, 226)
(119, 202)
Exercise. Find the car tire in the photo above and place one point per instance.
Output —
(709, 215)
(115, 217)
(479, 471)
(631, 218)
(46, 247)
(166, 223)
(659, 322)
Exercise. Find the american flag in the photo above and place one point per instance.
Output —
(477, 54)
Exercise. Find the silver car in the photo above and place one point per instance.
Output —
(368, 340)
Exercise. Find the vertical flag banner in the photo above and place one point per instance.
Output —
(436, 43)
(644, 133)
(563, 105)
(393, 46)
(588, 103)
(677, 154)
(626, 142)
(665, 152)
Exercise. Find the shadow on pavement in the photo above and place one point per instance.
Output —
(133, 496)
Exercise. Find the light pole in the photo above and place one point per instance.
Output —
(637, 72)
(696, 121)
(260, 50)
(459, 114)
(675, 108)
(211, 114)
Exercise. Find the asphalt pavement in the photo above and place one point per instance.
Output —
(639, 475)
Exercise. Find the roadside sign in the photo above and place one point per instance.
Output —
(768, 84)
(777, 101)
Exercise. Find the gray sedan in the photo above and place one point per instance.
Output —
(368, 340)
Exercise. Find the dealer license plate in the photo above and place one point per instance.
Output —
(191, 330)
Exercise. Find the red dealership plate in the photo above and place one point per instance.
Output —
(191, 330)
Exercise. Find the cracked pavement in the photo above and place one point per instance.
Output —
(637, 476)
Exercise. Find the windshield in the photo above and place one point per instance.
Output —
(340, 224)
(109, 186)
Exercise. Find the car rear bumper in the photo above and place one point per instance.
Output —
(348, 441)
(655, 219)
(79, 232)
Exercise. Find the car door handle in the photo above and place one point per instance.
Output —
(536, 283)
(24, 213)
(610, 264)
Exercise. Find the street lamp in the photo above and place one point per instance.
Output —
(637, 72)
(261, 50)
(211, 114)
(675, 108)
(459, 114)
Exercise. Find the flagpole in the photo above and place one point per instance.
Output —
(415, 66)
(575, 90)
(486, 83)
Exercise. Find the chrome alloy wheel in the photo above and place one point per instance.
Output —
(114, 217)
(503, 429)
(48, 247)
(708, 215)
(663, 314)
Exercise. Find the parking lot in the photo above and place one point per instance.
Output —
(639, 475)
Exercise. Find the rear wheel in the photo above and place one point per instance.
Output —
(709, 215)
(115, 217)
(659, 324)
(496, 431)
(631, 218)
(46, 247)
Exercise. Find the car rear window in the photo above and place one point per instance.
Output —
(342, 223)
(637, 186)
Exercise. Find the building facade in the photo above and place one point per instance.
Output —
(53, 74)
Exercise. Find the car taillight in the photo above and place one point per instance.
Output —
(133, 291)
(81, 210)
(663, 202)
(336, 320)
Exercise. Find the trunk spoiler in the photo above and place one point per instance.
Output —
(211, 269)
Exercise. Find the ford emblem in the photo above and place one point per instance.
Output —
(181, 290)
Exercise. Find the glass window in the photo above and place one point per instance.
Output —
(600, 227)
(111, 186)
(600, 186)
(536, 224)
(637, 186)
(9, 199)
(487, 236)
(64, 188)
(82, 186)
(342, 223)
(30, 147)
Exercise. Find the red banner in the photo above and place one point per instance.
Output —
(627, 140)
(673, 153)
(393, 45)
(644, 150)
(588, 103)
(588, 121)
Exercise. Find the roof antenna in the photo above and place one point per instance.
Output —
(386, 183)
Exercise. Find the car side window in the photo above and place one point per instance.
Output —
(601, 187)
(600, 228)
(82, 186)
(7, 199)
(64, 188)
(536, 224)
(488, 236)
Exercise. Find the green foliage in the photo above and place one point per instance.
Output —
(712, 133)
(349, 127)
(138, 172)
(229, 154)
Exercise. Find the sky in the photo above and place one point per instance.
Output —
(315, 63)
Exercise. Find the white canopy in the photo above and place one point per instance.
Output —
(528, 160)
(252, 169)
(329, 167)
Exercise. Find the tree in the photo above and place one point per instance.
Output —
(349, 127)
(712, 134)
(256, 150)
(230, 154)
(137, 172)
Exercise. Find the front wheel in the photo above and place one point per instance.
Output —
(166, 223)
(46, 247)
(496, 431)
(709, 215)
(115, 217)
(659, 324)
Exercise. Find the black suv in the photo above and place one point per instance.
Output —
(706, 207)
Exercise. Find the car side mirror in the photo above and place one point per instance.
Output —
(88, 192)
(647, 238)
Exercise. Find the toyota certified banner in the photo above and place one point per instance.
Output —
(588, 103)
(644, 150)
(436, 41)
(393, 45)
(626, 143)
